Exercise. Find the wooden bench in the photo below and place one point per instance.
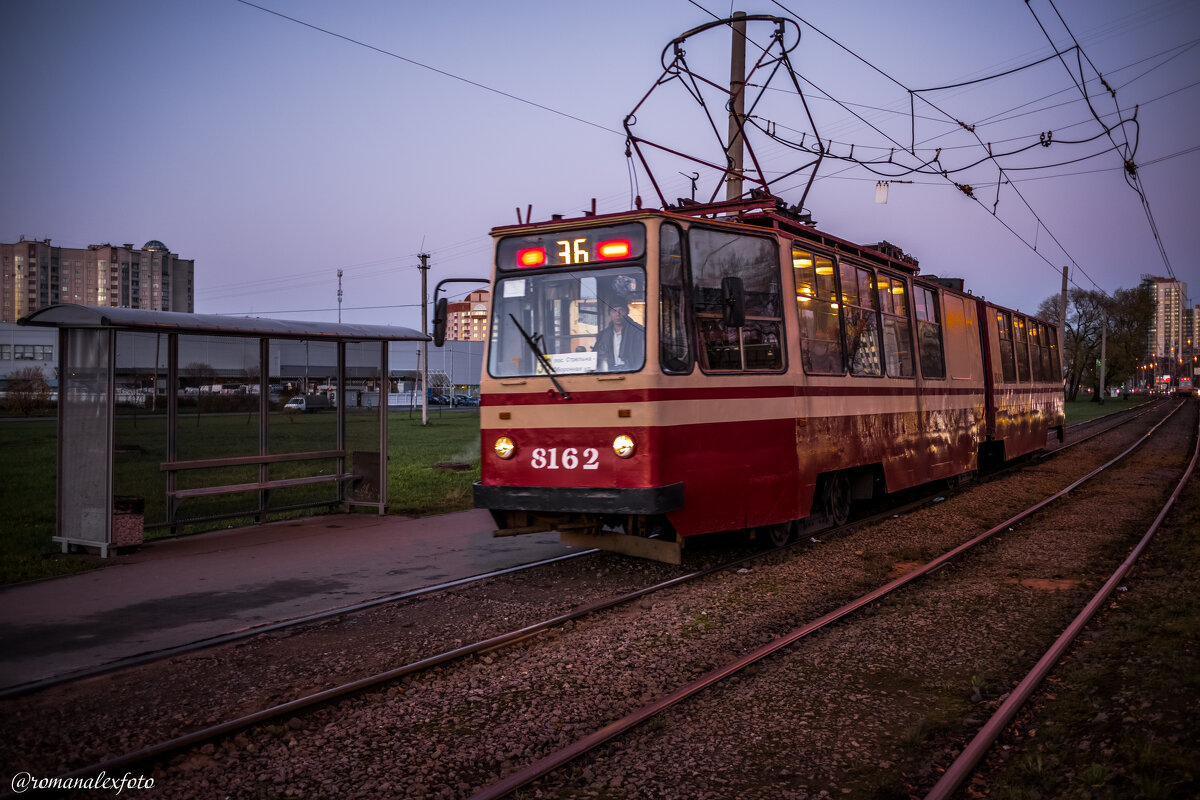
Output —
(175, 496)
(232, 488)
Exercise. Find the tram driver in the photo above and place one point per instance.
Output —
(622, 344)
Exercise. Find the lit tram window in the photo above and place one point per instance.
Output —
(616, 248)
(532, 257)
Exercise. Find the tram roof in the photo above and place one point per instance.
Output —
(69, 315)
(770, 213)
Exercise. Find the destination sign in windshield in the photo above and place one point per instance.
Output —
(571, 248)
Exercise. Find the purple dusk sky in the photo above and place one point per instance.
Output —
(274, 154)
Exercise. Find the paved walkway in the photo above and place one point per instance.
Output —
(186, 590)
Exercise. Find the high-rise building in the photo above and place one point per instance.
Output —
(466, 320)
(35, 274)
(1191, 342)
(1170, 301)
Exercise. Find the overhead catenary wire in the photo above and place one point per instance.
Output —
(442, 72)
(1078, 270)
(633, 177)
(1128, 150)
(965, 189)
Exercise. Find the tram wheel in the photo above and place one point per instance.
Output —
(778, 535)
(836, 498)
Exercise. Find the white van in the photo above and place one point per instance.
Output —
(308, 403)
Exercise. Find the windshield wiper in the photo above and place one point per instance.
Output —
(537, 351)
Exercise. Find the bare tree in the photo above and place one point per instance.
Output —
(1125, 317)
(27, 391)
(199, 374)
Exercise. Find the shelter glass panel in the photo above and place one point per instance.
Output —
(214, 372)
(85, 403)
(364, 374)
(140, 423)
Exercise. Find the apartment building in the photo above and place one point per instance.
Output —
(35, 274)
(466, 320)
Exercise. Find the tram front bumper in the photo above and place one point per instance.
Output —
(580, 500)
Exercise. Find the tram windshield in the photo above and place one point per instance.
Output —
(584, 320)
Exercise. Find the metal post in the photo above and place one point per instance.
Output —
(384, 389)
(1062, 326)
(737, 106)
(1062, 303)
(424, 345)
(339, 395)
(339, 297)
(264, 417)
(1103, 355)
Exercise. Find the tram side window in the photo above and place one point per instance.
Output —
(1042, 371)
(897, 336)
(1021, 345)
(758, 345)
(861, 314)
(929, 333)
(674, 341)
(1008, 364)
(820, 324)
(1048, 373)
(1055, 373)
(1044, 347)
(1035, 352)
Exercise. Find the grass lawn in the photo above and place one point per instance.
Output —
(415, 488)
(1082, 408)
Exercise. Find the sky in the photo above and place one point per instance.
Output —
(358, 134)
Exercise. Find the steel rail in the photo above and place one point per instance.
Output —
(355, 687)
(567, 754)
(966, 762)
(149, 657)
(342, 691)
(1140, 410)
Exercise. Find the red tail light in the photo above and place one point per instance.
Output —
(532, 257)
(613, 249)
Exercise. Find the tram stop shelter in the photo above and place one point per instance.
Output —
(168, 419)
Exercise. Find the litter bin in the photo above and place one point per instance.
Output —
(129, 516)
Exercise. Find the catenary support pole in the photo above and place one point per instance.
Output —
(424, 345)
(737, 106)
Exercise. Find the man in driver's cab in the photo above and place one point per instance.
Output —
(622, 344)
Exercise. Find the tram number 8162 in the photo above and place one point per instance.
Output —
(568, 458)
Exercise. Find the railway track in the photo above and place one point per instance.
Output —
(961, 767)
(1108, 422)
(285, 709)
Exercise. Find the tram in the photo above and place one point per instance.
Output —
(656, 375)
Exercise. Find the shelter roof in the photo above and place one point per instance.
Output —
(69, 315)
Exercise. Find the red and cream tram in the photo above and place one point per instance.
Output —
(655, 375)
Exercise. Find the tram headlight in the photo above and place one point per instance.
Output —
(624, 446)
(505, 447)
